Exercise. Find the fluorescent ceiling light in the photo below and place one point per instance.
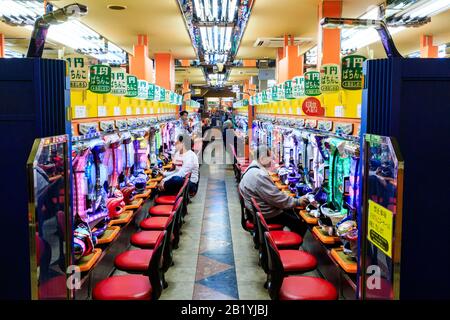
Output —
(215, 10)
(224, 10)
(429, 8)
(232, 9)
(72, 34)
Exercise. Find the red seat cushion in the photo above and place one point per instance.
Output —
(155, 223)
(145, 239)
(307, 288)
(286, 239)
(126, 287)
(166, 199)
(296, 260)
(164, 210)
(273, 226)
(134, 260)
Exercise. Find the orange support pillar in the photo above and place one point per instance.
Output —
(427, 49)
(185, 63)
(249, 63)
(140, 64)
(165, 70)
(290, 63)
(186, 90)
(329, 40)
(2, 45)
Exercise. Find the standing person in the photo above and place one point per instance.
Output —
(233, 117)
(276, 206)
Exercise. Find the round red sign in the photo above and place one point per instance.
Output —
(311, 107)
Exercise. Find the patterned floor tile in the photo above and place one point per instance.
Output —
(204, 293)
(207, 267)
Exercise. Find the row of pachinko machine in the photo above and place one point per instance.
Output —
(323, 166)
(115, 165)
(110, 173)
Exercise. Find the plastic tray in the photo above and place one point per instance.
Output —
(323, 237)
(86, 263)
(152, 185)
(109, 235)
(125, 217)
(144, 195)
(343, 260)
(135, 204)
(308, 219)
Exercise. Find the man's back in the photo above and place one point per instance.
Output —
(256, 183)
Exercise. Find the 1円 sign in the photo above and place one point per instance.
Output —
(330, 78)
(142, 89)
(79, 70)
(100, 79)
(380, 226)
(118, 82)
(351, 77)
(312, 107)
(151, 91)
(132, 86)
(298, 87)
(288, 92)
(312, 83)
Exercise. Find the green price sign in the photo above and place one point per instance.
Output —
(132, 86)
(288, 90)
(329, 78)
(157, 93)
(298, 87)
(79, 70)
(351, 77)
(162, 94)
(142, 89)
(100, 79)
(151, 92)
(274, 93)
(264, 98)
(280, 91)
(312, 83)
(118, 82)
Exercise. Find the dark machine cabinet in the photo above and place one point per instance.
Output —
(409, 100)
(34, 102)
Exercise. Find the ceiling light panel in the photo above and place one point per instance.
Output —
(72, 34)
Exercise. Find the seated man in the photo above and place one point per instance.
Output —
(276, 206)
(173, 180)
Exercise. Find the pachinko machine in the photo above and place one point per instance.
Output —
(90, 189)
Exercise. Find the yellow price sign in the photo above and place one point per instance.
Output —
(380, 226)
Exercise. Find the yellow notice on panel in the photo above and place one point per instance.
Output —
(380, 226)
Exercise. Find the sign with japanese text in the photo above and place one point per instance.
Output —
(312, 83)
(351, 77)
(274, 93)
(264, 98)
(79, 70)
(330, 78)
(280, 93)
(132, 86)
(151, 91)
(162, 94)
(100, 78)
(298, 87)
(288, 90)
(142, 89)
(312, 107)
(157, 93)
(118, 82)
(380, 227)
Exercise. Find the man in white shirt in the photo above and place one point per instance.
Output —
(173, 180)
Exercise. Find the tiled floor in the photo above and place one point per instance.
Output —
(216, 259)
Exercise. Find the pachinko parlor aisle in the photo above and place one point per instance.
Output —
(215, 153)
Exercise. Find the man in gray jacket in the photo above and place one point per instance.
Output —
(276, 206)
